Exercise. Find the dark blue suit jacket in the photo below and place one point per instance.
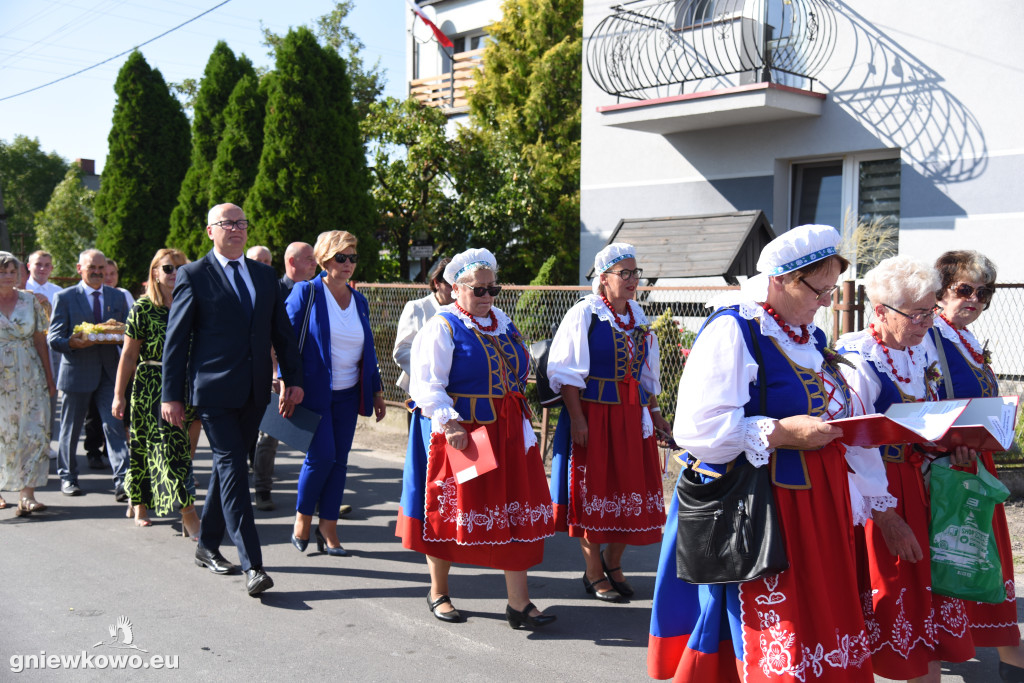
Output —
(82, 369)
(316, 354)
(214, 350)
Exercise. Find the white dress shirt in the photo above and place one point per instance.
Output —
(230, 272)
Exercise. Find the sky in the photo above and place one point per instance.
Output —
(43, 40)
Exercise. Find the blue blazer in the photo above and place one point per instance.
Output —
(213, 349)
(82, 369)
(316, 354)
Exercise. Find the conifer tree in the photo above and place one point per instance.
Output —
(312, 174)
(238, 154)
(147, 159)
(223, 70)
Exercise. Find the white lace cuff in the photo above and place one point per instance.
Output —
(755, 439)
(880, 503)
(647, 422)
(858, 505)
(441, 417)
(529, 436)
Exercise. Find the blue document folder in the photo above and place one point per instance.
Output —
(296, 431)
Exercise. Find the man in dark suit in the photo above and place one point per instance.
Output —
(227, 314)
(87, 370)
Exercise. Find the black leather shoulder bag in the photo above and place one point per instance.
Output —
(728, 527)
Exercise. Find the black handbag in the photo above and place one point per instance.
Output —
(539, 351)
(728, 528)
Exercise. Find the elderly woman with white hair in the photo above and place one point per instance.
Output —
(467, 375)
(911, 628)
(759, 387)
(605, 471)
(968, 285)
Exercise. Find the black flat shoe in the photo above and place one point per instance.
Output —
(621, 587)
(452, 617)
(518, 619)
(321, 545)
(257, 581)
(607, 596)
(1011, 673)
(215, 562)
(300, 543)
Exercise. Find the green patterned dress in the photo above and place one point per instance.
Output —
(160, 470)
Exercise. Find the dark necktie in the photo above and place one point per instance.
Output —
(243, 291)
(97, 313)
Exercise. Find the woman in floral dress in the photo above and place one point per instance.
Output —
(25, 387)
(160, 471)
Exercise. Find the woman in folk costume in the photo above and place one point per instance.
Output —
(968, 283)
(910, 628)
(605, 473)
(805, 623)
(468, 371)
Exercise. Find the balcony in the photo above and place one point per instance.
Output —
(682, 65)
(450, 90)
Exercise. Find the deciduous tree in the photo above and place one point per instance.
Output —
(66, 227)
(27, 178)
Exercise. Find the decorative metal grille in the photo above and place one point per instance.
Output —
(645, 50)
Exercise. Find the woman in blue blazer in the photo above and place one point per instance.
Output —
(341, 381)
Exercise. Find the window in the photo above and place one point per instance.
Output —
(858, 194)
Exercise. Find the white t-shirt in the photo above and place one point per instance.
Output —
(49, 290)
(346, 343)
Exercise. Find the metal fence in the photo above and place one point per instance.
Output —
(676, 314)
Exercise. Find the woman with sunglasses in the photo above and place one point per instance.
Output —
(910, 629)
(605, 472)
(968, 283)
(340, 379)
(159, 474)
(468, 373)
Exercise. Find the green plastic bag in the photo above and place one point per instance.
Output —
(965, 559)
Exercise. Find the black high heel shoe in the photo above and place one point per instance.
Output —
(518, 619)
(321, 545)
(300, 543)
(621, 587)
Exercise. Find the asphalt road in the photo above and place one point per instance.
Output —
(71, 573)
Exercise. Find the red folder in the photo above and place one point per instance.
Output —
(980, 423)
(476, 459)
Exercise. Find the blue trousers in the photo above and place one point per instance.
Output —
(72, 415)
(231, 433)
(322, 479)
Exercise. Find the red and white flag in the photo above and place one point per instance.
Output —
(441, 37)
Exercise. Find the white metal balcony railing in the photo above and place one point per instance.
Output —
(449, 90)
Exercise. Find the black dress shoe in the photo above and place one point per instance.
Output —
(452, 617)
(607, 596)
(263, 501)
(517, 619)
(119, 493)
(258, 581)
(215, 562)
(621, 587)
(1011, 673)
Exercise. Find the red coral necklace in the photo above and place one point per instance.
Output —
(878, 339)
(805, 334)
(615, 316)
(483, 328)
(979, 358)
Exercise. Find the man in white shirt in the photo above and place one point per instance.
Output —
(110, 278)
(40, 265)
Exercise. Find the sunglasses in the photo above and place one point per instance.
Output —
(964, 291)
(493, 290)
(168, 268)
(351, 258)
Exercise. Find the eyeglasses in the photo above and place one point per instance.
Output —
(351, 258)
(241, 225)
(820, 293)
(964, 291)
(918, 317)
(168, 268)
(627, 274)
(493, 290)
